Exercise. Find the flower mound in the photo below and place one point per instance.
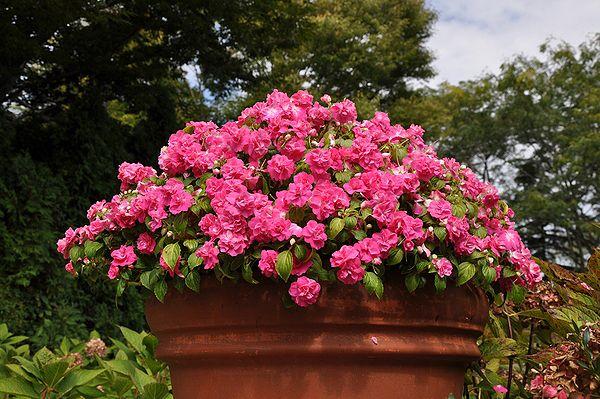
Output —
(301, 191)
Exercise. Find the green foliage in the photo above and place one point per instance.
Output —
(553, 331)
(532, 130)
(127, 369)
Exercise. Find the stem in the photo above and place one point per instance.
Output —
(510, 358)
(529, 351)
(510, 372)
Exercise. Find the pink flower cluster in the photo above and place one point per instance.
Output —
(283, 177)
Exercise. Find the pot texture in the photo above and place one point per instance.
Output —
(238, 341)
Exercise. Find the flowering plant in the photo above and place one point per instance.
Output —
(301, 191)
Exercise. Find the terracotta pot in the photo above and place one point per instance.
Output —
(238, 341)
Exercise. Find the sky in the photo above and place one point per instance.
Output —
(475, 36)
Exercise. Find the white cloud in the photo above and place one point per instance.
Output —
(475, 36)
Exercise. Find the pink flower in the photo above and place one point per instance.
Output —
(319, 160)
(145, 243)
(131, 174)
(344, 112)
(124, 256)
(209, 254)
(305, 291)
(347, 259)
(280, 167)
(266, 264)
(314, 234)
(500, 389)
(443, 266)
(440, 209)
(70, 269)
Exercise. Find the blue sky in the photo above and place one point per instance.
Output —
(474, 36)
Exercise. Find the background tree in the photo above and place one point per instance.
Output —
(367, 50)
(534, 130)
(87, 84)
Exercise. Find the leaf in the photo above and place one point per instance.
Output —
(439, 283)
(171, 254)
(412, 282)
(517, 294)
(54, 372)
(76, 379)
(155, 390)
(192, 280)
(396, 256)
(191, 244)
(160, 290)
(76, 253)
(247, 274)
(489, 273)
(284, 264)
(17, 386)
(133, 338)
(90, 248)
(359, 234)
(149, 278)
(440, 233)
(335, 226)
(466, 271)
(300, 251)
(496, 348)
(194, 260)
(373, 284)
(350, 222)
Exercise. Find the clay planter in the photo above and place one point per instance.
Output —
(238, 341)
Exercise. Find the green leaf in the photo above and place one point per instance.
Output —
(459, 210)
(76, 253)
(284, 264)
(300, 251)
(149, 278)
(54, 372)
(194, 260)
(17, 386)
(76, 379)
(191, 244)
(133, 338)
(247, 273)
(192, 280)
(412, 282)
(171, 254)
(489, 273)
(359, 234)
(439, 283)
(373, 284)
(121, 285)
(90, 248)
(335, 226)
(423, 265)
(517, 294)
(155, 390)
(160, 290)
(350, 222)
(396, 256)
(466, 271)
(440, 233)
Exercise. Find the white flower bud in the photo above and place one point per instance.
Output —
(369, 226)
(434, 256)
(430, 229)
(292, 241)
(169, 234)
